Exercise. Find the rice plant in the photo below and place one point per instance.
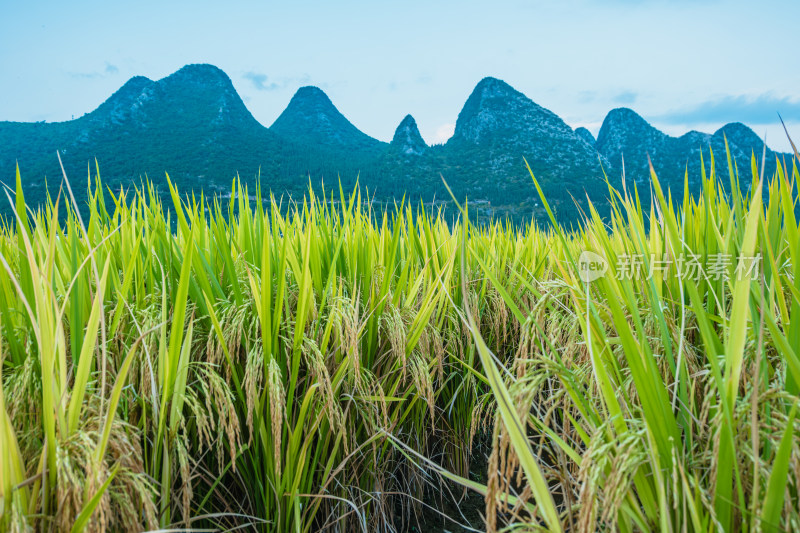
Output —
(273, 366)
(665, 402)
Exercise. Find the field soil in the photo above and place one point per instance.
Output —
(450, 508)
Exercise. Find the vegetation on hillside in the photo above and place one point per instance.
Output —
(194, 125)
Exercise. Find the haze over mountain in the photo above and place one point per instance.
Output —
(193, 125)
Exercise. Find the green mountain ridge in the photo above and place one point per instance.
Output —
(193, 125)
(407, 137)
(626, 135)
(312, 118)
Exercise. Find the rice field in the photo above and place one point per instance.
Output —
(230, 365)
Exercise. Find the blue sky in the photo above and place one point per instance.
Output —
(681, 64)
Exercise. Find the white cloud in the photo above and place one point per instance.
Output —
(443, 132)
(756, 109)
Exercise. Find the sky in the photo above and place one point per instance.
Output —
(681, 64)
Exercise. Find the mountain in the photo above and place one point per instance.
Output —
(407, 138)
(586, 135)
(194, 125)
(312, 118)
(200, 95)
(627, 136)
(499, 125)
